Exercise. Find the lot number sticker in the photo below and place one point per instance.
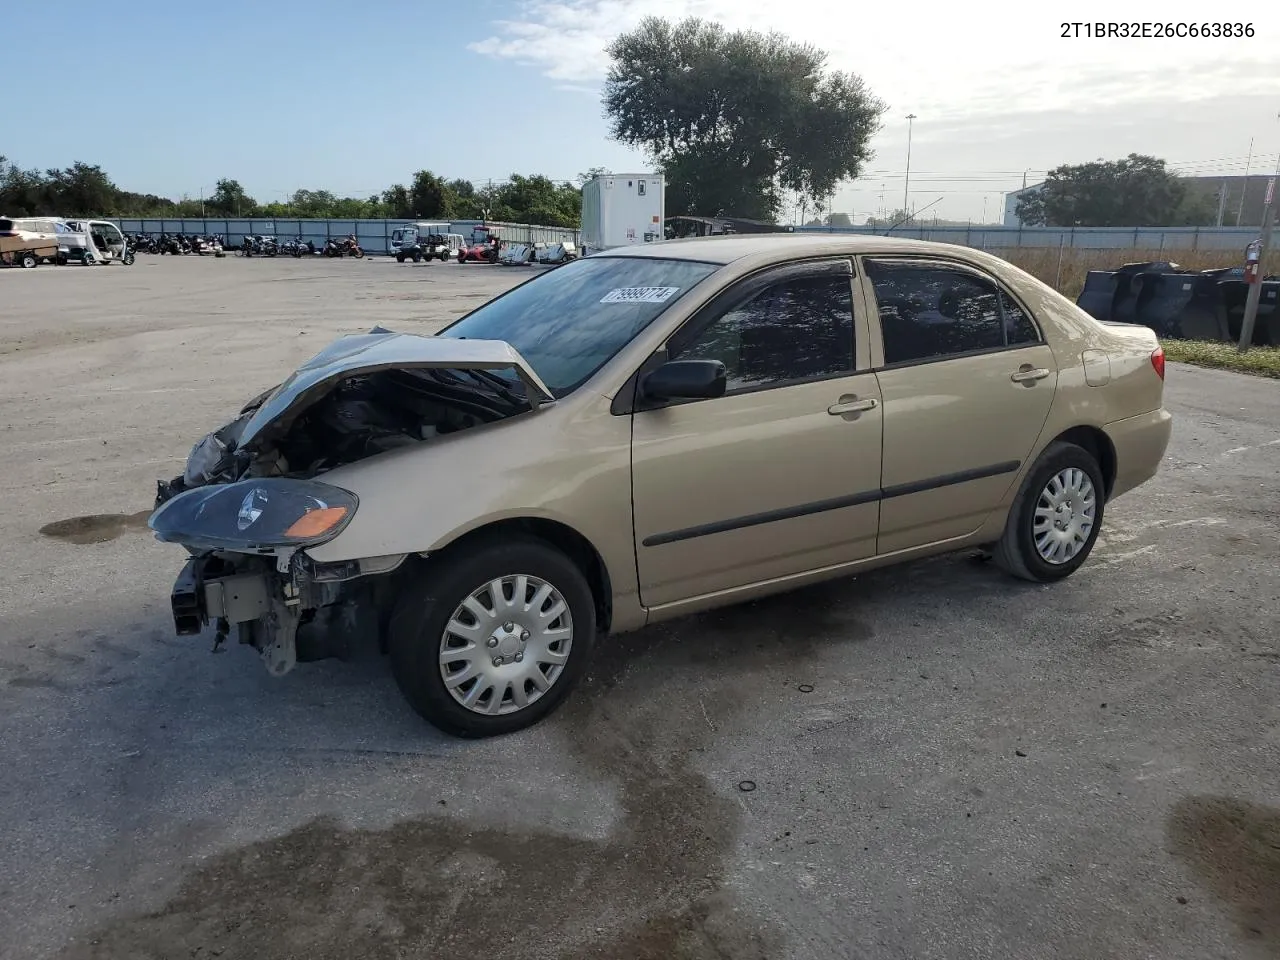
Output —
(640, 295)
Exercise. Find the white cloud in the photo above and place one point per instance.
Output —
(994, 85)
(960, 59)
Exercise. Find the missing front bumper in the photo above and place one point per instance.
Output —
(289, 618)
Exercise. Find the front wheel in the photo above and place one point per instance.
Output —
(128, 259)
(358, 253)
(30, 261)
(1055, 519)
(492, 640)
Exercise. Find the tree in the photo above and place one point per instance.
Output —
(735, 118)
(1137, 191)
(230, 200)
(591, 173)
(397, 203)
(464, 202)
(81, 189)
(839, 220)
(901, 217)
(538, 199)
(428, 197)
(21, 191)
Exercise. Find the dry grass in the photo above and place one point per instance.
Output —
(1042, 262)
(1260, 361)
(1067, 277)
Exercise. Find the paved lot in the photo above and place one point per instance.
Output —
(945, 763)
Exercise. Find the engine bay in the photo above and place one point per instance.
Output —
(355, 418)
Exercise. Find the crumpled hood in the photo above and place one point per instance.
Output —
(383, 350)
(269, 415)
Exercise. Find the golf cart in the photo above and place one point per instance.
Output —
(92, 242)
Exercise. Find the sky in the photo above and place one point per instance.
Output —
(353, 97)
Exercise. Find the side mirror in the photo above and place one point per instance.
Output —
(685, 380)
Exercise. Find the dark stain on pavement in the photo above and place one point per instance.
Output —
(438, 887)
(96, 528)
(1234, 847)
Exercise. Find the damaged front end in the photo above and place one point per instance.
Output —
(250, 502)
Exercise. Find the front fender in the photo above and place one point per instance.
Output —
(568, 462)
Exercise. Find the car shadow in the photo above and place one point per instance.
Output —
(199, 774)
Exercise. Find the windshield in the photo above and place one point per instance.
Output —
(570, 321)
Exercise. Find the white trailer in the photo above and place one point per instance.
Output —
(619, 209)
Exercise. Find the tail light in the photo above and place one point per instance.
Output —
(1157, 361)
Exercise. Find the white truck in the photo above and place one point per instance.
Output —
(619, 209)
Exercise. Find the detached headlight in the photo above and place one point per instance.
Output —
(254, 514)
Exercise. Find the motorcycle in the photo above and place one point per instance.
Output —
(343, 248)
(298, 248)
(141, 243)
(259, 246)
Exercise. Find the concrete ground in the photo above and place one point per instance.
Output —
(930, 761)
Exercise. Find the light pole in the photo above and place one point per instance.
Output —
(1244, 188)
(906, 186)
(202, 189)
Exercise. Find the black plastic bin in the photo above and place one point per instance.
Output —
(1266, 328)
(1098, 295)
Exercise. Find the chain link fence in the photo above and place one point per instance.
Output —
(373, 235)
(1085, 238)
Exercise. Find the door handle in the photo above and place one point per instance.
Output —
(1028, 374)
(852, 405)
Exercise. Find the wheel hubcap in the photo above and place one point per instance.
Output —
(1064, 516)
(506, 644)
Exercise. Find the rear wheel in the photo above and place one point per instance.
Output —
(399, 258)
(417, 258)
(1056, 517)
(494, 638)
(30, 261)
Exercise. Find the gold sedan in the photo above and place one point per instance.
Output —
(645, 433)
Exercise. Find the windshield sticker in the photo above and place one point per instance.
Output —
(640, 295)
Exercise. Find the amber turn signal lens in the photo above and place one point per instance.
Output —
(315, 522)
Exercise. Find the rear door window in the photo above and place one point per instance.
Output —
(931, 311)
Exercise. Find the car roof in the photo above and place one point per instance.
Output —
(725, 250)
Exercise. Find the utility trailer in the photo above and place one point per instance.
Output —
(621, 209)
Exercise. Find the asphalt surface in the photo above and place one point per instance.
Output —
(928, 761)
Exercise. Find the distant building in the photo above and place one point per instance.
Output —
(1011, 203)
(1224, 192)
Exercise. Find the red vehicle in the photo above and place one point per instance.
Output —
(487, 251)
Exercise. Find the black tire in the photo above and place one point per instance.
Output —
(417, 258)
(30, 261)
(399, 258)
(128, 259)
(444, 256)
(428, 600)
(1016, 551)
